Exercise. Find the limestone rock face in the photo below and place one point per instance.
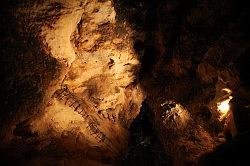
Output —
(75, 73)
(88, 106)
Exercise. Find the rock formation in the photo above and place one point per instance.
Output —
(75, 74)
(88, 105)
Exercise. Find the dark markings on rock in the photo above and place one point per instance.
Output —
(113, 118)
(72, 101)
(133, 107)
(95, 131)
(108, 115)
(81, 107)
(122, 120)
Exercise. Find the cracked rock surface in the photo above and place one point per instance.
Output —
(75, 73)
(89, 96)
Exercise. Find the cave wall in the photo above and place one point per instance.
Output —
(70, 87)
(190, 51)
(75, 74)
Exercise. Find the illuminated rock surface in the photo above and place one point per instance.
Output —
(88, 105)
(75, 74)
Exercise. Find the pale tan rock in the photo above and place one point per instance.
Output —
(93, 100)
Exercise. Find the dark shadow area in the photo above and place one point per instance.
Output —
(144, 146)
(25, 66)
(233, 153)
(178, 35)
(142, 17)
(25, 70)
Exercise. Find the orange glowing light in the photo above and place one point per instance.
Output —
(223, 107)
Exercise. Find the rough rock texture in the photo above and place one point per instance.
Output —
(78, 71)
(191, 51)
(75, 74)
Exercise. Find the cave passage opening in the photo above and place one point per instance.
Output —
(144, 147)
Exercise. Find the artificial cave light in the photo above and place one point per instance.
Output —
(223, 107)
